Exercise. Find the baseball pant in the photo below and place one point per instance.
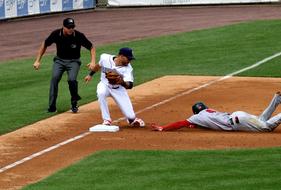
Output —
(264, 122)
(120, 96)
(59, 67)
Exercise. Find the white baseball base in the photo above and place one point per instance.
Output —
(104, 128)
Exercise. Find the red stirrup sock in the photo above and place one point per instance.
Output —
(176, 125)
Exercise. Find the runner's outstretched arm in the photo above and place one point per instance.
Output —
(172, 126)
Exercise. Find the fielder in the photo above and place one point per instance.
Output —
(205, 117)
(116, 77)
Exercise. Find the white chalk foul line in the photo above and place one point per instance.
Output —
(43, 152)
(140, 111)
(206, 84)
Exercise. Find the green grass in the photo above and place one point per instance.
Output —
(219, 51)
(257, 169)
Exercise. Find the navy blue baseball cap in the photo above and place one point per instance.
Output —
(127, 52)
(198, 106)
(69, 23)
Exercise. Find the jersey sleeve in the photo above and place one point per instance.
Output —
(51, 38)
(128, 75)
(103, 57)
(194, 119)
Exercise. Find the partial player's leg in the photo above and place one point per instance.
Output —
(122, 99)
(273, 122)
(72, 71)
(247, 122)
(276, 100)
(58, 70)
(103, 93)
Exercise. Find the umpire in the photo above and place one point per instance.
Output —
(68, 43)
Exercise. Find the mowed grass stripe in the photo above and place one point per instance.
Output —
(139, 170)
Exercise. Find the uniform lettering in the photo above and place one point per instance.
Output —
(210, 110)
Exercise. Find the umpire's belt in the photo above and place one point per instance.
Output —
(234, 120)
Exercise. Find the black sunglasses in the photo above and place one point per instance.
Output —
(70, 27)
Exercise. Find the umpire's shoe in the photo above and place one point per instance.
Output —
(74, 107)
(52, 110)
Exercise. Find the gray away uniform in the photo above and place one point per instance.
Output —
(239, 120)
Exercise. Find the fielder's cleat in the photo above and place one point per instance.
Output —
(106, 122)
(137, 123)
(155, 127)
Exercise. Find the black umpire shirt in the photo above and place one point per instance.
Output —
(68, 47)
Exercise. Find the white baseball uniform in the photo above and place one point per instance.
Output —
(239, 120)
(117, 92)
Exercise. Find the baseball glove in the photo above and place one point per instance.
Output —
(113, 77)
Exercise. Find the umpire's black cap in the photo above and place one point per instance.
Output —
(69, 23)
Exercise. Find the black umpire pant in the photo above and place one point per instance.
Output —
(59, 67)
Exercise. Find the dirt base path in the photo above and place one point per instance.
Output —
(247, 94)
